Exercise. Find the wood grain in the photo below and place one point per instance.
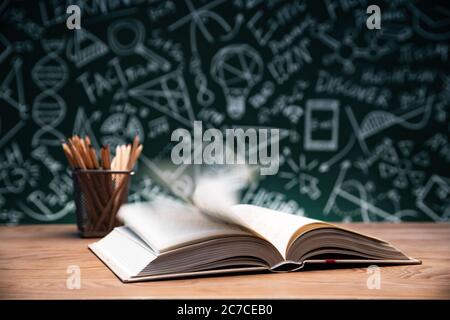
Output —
(34, 260)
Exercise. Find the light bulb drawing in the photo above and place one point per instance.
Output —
(236, 68)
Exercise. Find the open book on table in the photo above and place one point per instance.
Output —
(169, 239)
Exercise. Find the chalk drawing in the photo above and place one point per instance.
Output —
(320, 134)
(198, 19)
(355, 193)
(83, 124)
(168, 95)
(49, 109)
(308, 184)
(434, 26)
(12, 92)
(135, 43)
(84, 47)
(236, 68)
(148, 67)
(51, 206)
(11, 87)
(398, 163)
(205, 97)
(120, 128)
(5, 48)
(434, 198)
(380, 120)
(16, 172)
(41, 153)
(157, 127)
(325, 166)
(346, 51)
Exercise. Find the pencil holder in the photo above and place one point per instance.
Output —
(98, 197)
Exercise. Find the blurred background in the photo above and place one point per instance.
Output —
(363, 113)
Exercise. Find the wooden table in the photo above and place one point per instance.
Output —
(34, 262)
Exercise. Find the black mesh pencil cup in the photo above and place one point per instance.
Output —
(98, 197)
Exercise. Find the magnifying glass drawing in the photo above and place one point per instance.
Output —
(134, 42)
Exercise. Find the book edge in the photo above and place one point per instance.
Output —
(195, 273)
(109, 263)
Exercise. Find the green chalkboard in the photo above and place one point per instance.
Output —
(363, 113)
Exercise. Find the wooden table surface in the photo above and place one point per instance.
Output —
(34, 262)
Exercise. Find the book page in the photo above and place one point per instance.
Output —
(215, 195)
(274, 226)
(124, 252)
(165, 224)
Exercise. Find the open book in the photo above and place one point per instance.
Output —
(168, 239)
